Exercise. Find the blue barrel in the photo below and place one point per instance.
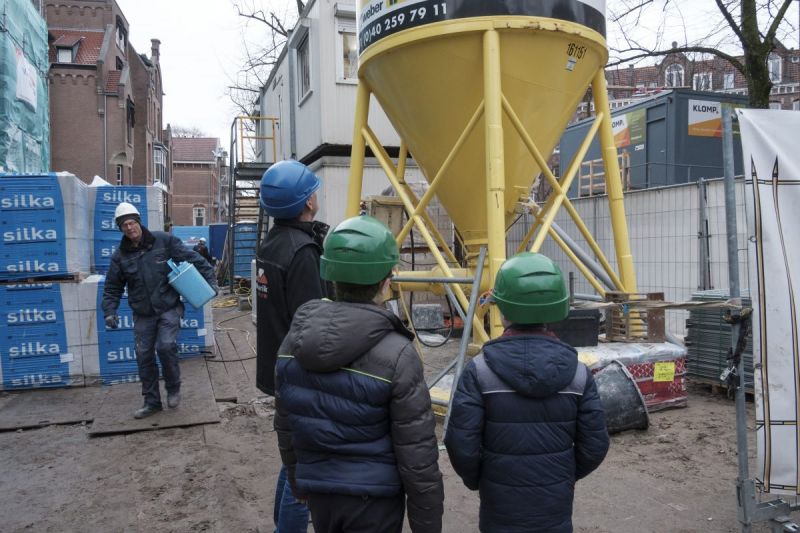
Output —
(245, 235)
(190, 284)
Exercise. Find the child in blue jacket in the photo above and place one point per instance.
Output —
(527, 421)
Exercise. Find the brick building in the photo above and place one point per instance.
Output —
(197, 164)
(628, 85)
(105, 99)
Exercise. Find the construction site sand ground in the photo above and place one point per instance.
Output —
(679, 476)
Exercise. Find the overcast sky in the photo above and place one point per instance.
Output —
(202, 50)
(201, 44)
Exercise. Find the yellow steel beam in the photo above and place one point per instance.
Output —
(402, 160)
(495, 165)
(616, 201)
(560, 190)
(358, 151)
(391, 173)
(400, 172)
(434, 184)
(576, 260)
(431, 225)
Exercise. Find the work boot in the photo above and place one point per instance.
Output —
(146, 411)
(173, 399)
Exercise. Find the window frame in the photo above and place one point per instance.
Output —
(130, 119)
(345, 26)
(65, 49)
(775, 63)
(726, 77)
(303, 52)
(120, 174)
(121, 37)
(670, 71)
(198, 213)
(696, 86)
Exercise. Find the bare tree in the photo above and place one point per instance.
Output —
(272, 21)
(188, 132)
(742, 32)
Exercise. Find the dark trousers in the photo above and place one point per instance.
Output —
(158, 334)
(341, 513)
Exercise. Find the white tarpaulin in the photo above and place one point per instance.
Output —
(772, 169)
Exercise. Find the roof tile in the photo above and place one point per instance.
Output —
(200, 149)
(88, 49)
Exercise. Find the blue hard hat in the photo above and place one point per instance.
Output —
(285, 187)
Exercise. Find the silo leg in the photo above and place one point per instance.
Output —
(495, 165)
(358, 151)
(616, 203)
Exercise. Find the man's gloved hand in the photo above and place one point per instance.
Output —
(112, 322)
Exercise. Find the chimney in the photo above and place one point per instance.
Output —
(631, 76)
(154, 46)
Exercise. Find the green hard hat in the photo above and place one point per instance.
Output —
(530, 289)
(361, 251)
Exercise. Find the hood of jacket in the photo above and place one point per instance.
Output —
(533, 365)
(326, 336)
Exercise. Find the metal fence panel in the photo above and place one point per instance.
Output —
(677, 237)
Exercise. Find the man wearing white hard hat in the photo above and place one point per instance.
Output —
(202, 249)
(140, 262)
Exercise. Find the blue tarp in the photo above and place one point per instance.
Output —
(190, 235)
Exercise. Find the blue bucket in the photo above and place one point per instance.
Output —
(190, 284)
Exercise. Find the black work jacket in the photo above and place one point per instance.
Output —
(353, 413)
(144, 270)
(287, 276)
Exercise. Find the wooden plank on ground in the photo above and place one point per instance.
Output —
(198, 405)
(233, 347)
(224, 390)
(44, 407)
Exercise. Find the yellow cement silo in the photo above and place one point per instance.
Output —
(480, 92)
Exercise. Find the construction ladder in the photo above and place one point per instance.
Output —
(253, 151)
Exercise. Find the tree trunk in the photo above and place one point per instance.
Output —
(755, 57)
(759, 85)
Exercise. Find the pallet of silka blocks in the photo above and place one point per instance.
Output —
(40, 342)
(43, 227)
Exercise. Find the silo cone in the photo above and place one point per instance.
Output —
(480, 93)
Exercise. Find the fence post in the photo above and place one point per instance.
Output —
(704, 281)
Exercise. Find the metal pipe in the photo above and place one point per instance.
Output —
(442, 373)
(462, 349)
(105, 137)
(733, 281)
(705, 281)
(588, 297)
(455, 303)
(590, 263)
(398, 279)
